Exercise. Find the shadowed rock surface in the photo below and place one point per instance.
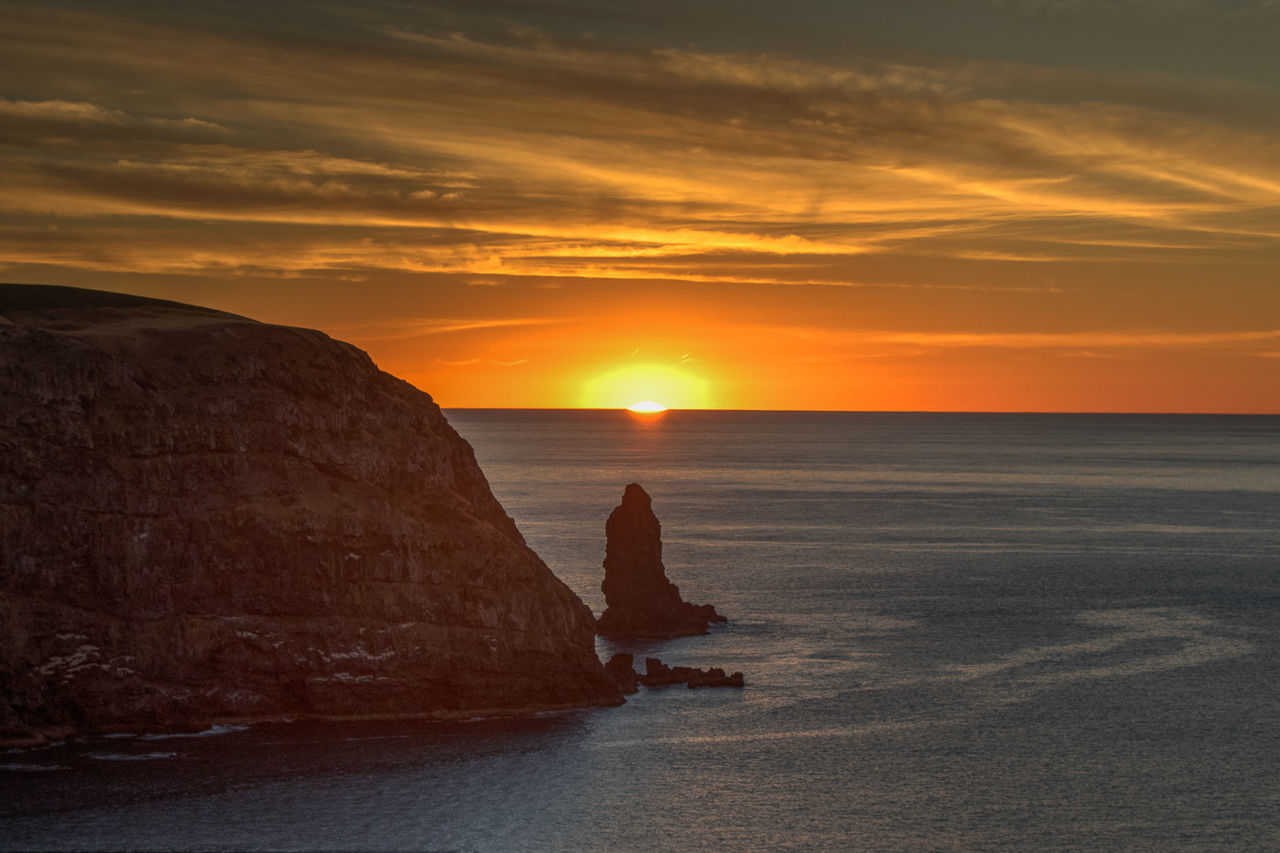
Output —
(207, 518)
(621, 668)
(658, 674)
(640, 600)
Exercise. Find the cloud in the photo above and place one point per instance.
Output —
(1145, 7)
(420, 326)
(1071, 340)
(527, 154)
(1077, 344)
(83, 113)
(470, 362)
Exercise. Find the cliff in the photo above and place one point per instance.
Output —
(207, 518)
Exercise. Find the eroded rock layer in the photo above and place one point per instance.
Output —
(204, 517)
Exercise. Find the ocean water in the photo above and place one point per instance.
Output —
(959, 632)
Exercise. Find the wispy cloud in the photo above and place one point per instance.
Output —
(617, 152)
(470, 362)
(420, 326)
(1070, 340)
(706, 181)
(842, 344)
(58, 112)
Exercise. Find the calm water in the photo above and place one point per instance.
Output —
(958, 632)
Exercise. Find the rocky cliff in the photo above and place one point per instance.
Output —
(204, 518)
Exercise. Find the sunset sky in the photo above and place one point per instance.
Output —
(1003, 205)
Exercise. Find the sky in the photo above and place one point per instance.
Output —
(924, 205)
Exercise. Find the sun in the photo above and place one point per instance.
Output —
(621, 388)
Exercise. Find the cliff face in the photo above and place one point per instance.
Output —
(203, 517)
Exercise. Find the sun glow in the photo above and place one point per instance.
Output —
(620, 389)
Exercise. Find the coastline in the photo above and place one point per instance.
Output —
(207, 517)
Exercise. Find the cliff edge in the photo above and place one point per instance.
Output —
(205, 518)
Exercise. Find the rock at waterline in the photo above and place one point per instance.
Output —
(204, 517)
(640, 600)
(658, 674)
(621, 668)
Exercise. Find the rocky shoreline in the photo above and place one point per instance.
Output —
(204, 518)
(621, 668)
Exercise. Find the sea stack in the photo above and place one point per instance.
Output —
(640, 600)
(204, 518)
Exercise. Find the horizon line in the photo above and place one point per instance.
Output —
(869, 411)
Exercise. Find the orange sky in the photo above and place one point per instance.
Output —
(1027, 205)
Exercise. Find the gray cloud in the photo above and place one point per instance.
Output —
(525, 150)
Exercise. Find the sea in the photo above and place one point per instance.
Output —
(958, 632)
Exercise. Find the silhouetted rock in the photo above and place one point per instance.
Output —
(640, 600)
(207, 518)
(658, 674)
(621, 668)
(716, 677)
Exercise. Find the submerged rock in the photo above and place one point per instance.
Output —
(203, 517)
(640, 600)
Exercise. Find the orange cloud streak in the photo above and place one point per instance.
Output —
(801, 231)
